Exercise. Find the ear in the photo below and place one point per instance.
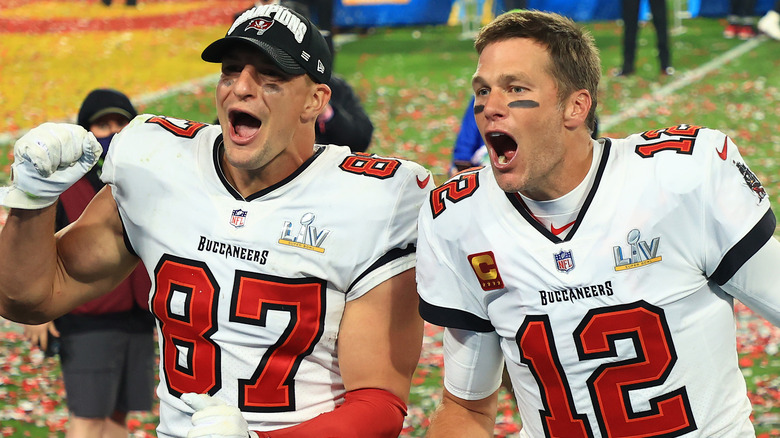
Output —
(576, 110)
(319, 96)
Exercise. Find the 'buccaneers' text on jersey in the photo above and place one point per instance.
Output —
(618, 327)
(249, 293)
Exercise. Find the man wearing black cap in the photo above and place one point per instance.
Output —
(343, 121)
(105, 108)
(282, 271)
(106, 345)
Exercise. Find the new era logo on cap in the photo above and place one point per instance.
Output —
(294, 44)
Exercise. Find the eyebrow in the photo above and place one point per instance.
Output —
(506, 78)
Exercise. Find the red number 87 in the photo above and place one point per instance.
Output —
(185, 302)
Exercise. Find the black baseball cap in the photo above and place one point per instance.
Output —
(104, 101)
(294, 44)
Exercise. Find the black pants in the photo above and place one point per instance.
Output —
(743, 8)
(515, 4)
(322, 10)
(631, 28)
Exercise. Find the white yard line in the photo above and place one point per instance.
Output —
(177, 89)
(192, 85)
(608, 122)
(605, 123)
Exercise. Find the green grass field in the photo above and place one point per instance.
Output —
(415, 83)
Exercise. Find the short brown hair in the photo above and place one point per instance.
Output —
(575, 58)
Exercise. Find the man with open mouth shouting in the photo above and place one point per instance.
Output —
(282, 271)
(602, 272)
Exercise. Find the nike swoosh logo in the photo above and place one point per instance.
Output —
(424, 182)
(722, 154)
(560, 230)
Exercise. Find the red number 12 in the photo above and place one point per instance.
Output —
(670, 415)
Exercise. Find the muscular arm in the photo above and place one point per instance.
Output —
(381, 337)
(379, 346)
(43, 276)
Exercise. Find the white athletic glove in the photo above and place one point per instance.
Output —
(47, 160)
(213, 418)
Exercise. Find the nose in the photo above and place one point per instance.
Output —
(494, 106)
(245, 85)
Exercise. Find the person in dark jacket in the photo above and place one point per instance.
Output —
(344, 121)
(106, 346)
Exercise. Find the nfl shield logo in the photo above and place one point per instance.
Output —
(564, 260)
(237, 218)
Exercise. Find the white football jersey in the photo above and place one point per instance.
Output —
(249, 293)
(620, 329)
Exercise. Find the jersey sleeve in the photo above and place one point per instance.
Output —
(738, 219)
(396, 245)
(445, 298)
(755, 283)
(108, 172)
(473, 363)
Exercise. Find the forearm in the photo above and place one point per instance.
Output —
(455, 418)
(28, 262)
(47, 161)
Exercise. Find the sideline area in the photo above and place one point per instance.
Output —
(414, 83)
(151, 47)
(682, 81)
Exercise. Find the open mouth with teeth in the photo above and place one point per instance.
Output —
(243, 125)
(504, 146)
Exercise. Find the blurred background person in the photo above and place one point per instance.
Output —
(740, 20)
(127, 2)
(510, 5)
(631, 29)
(322, 16)
(469, 150)
(344, 121)
(106, 346)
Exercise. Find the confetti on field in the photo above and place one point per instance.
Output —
(32, 396)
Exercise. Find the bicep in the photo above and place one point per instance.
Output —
(380, 337)
(93, 258)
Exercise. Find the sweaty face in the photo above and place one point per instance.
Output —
(259, 108)
(519, 116)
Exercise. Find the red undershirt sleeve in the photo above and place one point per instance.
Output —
(365, 413)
